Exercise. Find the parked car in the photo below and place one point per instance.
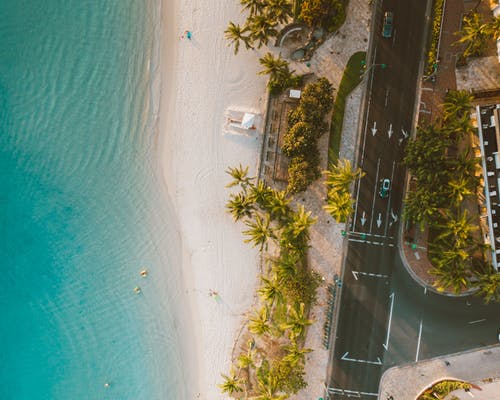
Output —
(385, 187)
(388, 24)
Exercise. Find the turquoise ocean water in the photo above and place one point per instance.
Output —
(82, 209)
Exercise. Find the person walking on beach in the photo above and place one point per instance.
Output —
(188, 34)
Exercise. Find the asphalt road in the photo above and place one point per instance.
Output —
(385, 318)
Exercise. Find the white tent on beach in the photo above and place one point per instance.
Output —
(241, 122)
(248, 121)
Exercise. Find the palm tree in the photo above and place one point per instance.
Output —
(459, 189)
(276, 68)
(279, 206)
(262, 195)
(279, 10)
(421, 207)
(457, 104)
(239, 205)
(472, 35)
(285, 267)
(259, 322)
(240, 176)
(297, 321)
(457, 228)
(298, 227)
(339, 206)
(232, 384)
(489, 286)
(270, 291)
(454, 277)
(295, 354)
(246, 360)
(253, 6)
(235, 34)
(340, 176)
(492, 29)
(268, 386)
(261, 29)
(465, 166)
(259, 231)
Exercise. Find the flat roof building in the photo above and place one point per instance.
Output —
(488, 125)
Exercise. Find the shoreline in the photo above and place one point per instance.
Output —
(200, 79)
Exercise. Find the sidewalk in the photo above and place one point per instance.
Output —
(433, 92)
(480, 367)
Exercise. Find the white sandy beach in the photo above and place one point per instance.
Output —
(201, 78)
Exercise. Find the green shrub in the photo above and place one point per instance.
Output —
(436, 32)
(300, 139)
(301, 287)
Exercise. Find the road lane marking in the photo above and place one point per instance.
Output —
(390, 196)
(419, 338)
(477, 321)
(386, 96)
(394, 37)
(345, 358)
(390, 131)
(348, 393)
(386, 344)
(371, 274)
(362, 160)
(369, 242)
(372, 234)
(374, 128)
(374, 194)
(379, 220)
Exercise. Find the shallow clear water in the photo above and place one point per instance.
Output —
(81, 209)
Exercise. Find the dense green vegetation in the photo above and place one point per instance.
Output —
(339, 179)
(442, 389)
(350, 79)
(435, 35)
(443, 180)
(306, 124)
(475, 34)
(271, 365)
(280, 76)
(327, 14)
(264, 16)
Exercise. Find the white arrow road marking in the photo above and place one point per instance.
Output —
(345, 358)
(389, 132)
(363, 219)
(355, 274)
(374, 129)
(386, 344)
(394, 216)
(379, 220)
(405, 134)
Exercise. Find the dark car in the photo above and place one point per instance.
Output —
(385, 187)
(387, 28)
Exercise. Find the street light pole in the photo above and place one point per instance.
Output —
(363, 65)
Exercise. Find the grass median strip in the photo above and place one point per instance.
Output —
(350, 79)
